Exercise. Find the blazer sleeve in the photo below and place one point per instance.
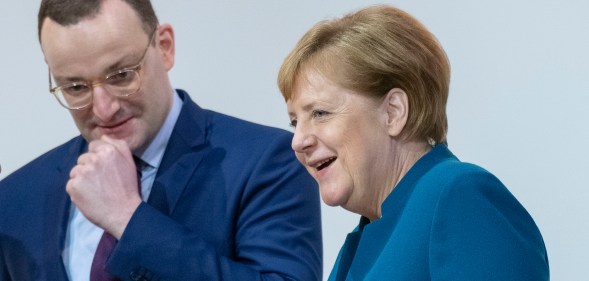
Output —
(481, 232)
(277, 237)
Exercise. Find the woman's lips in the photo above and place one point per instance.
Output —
(324, 164)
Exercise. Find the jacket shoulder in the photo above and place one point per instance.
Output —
(235, 130)
(52, 160)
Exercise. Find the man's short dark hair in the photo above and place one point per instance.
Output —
(70, 12)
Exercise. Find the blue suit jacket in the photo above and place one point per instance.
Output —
(229, 202)
(445, 220)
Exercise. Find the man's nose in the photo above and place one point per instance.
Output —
(104, 105)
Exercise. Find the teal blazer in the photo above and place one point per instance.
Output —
(445, 220)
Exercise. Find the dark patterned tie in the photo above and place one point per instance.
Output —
(108, 242)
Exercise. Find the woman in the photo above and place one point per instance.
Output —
(367, 96)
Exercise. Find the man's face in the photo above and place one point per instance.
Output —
(94, 47)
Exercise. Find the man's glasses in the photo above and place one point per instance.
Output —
(121, 83)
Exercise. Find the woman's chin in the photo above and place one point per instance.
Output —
(334, 196)
(330, 203)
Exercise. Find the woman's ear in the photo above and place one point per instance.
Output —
(165, 41)
(397, 108)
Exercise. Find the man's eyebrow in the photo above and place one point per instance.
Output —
(122, 63)
(67, 80)
(118, 65)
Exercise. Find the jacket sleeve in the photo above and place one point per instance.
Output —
(481, 232)
(277, 232)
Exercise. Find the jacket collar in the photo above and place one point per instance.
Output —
(398, 197)
(57, 219)
(392, 208)
(184, 152)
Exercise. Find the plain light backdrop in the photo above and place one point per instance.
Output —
(517, 106)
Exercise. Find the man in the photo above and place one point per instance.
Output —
(219, 199)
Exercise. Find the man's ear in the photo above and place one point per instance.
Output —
(165, 41)
(397, 108)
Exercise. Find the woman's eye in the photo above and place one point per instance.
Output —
(319, 113)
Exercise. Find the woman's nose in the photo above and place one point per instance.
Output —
(302, 140)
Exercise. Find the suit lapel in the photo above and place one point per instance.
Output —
(168, 186)
(184, 152)
(349, 250)
(57, 211)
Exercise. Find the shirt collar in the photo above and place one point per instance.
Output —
(155, 151)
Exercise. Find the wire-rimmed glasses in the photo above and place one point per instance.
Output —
(121, 83)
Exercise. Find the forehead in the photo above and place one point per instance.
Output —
(308, 84)
(316, 90)
(312, 88)
(97, 41)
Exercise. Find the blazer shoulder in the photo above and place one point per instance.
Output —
(454, 173)
(219, 129)
(222, 126)
(476, 221)
(52, 160)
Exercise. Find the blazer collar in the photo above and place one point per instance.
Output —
(398, 197)
(348, 251)
(190, 128)
(184, 153)
(57, 218)
(59, 196)
(373, 242)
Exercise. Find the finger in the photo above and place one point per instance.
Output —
(94, 145)
(87, 158)
(73, 181)
(121, 146)
(80, 171)
(72, 190)
(69, 186)
(104, 151)
(73, 172)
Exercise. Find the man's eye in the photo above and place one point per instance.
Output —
(121, 76)
(293, 123)
(75, 89)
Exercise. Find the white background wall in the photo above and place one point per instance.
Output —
(517, 106)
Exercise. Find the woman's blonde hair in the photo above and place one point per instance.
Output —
(372, 51)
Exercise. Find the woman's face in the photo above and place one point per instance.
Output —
(341, 138)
